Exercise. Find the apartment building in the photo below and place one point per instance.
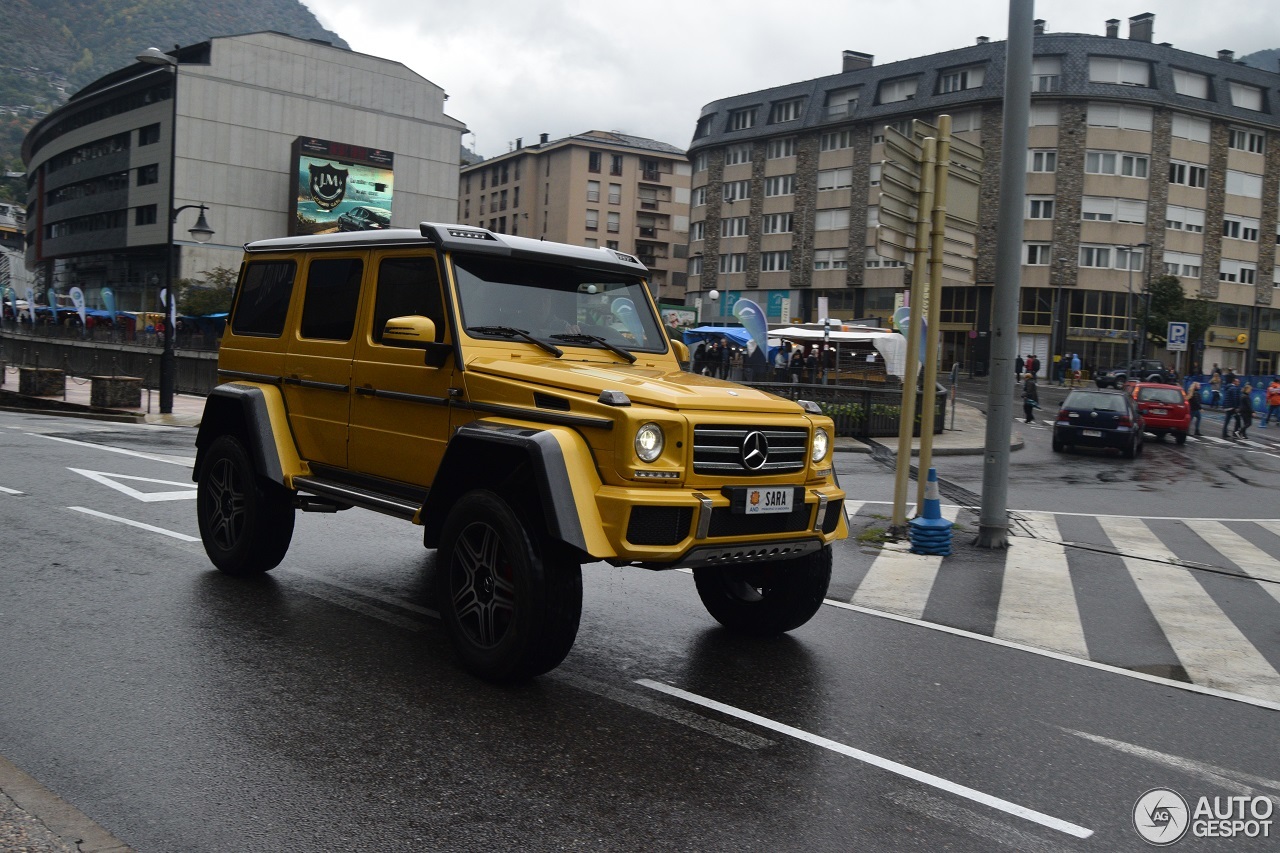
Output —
(597, 188)
(1143, 160)
(272, 134)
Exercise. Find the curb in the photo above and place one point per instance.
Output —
(70, 825)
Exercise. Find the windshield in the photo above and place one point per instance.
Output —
(1160, 395)
(564, 305)
(1094, 400)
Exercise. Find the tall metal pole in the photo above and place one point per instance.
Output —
(937, 240)
(1128, 308)
(993, 521)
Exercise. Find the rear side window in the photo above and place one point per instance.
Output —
(333, 293)
(1093, 400)
(1160, 395)
(262, 303)
(407, 286)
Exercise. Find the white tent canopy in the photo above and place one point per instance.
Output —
(891, 345)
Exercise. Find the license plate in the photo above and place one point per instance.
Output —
(1159, 412)
(1091, 433)
(766, 500)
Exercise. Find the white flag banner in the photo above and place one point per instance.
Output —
(77, 299)
(31, 304)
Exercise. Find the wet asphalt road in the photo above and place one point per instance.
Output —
(320, 709)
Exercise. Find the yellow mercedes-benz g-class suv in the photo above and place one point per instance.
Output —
(522, 402)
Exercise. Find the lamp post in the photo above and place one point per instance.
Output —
(1128, 303)
(826, 346)
(201, 233)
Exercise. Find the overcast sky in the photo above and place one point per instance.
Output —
(514, 68)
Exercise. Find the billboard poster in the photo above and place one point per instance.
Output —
(340, 187)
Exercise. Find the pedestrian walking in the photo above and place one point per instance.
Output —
(1075, 369)
(1033, 365)
(1019, 367)
(1273, 402)
(1030, 396)
(1244, 411)
(1193, 403)
(1230, 404)
(1215, 387)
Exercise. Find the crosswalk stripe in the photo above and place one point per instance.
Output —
(1249, 557)
(1041, 525)
(1213, 439)
(1248, 442)
(1208, 644)
(851, 507)
(1037, 600)
(899, 581)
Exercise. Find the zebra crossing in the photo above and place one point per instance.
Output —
(1110, 589)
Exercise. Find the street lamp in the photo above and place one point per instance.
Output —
(826, 346)
(201, 233)
(1128, 303)
(714, 296)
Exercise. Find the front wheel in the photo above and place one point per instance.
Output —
(246, 521)
(1180, 437)
(511, 608)
(764, 599)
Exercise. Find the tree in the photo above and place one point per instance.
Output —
(1163, 304)
(211, 295)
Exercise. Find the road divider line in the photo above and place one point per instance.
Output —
(138, 524)
(154, 457)
(891, 766)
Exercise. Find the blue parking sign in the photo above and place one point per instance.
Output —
(1177, 337)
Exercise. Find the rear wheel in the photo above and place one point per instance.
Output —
(1057, 446)
(764, 599)
(246, 521)
(511, 608)
(1180, 437)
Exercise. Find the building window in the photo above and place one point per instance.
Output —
(873, 174)
(1126, 72)
(1247, 140)
(1098, 257)
(874, 261)
(615, 164)
(779, 148)
(1179, 264)
(1240, 228)
(1037, 306)
(831, 259)
(1036, 254)
(591, 243)
(742, 119)
(1128, 258)
(149, 135)
(788, 110)
(836, 140)
(734, 190)
(835, 179)
(1045, 73)
(1116, 163)
(611, 244)
(593, 164)
(843, 102)
(1045, 160)
(1246, 97)
(1187, 174)
(776, 223)
(1239, 272)
(593, 219)
(695, 265)
(614, 221)
(780, 185)
(144, 215)
(1124, 116)
(149, 175)
(1184, 219)
(958, 305)
(699, 196)
(1093, 309)
(700, 162)
(733, 262)
(735, 154)
(701, 129)
(873, 216)
(1244, 183)
(593, 190)
(775, 261)
(959, 79)
(1039, 207)
(1100, 209)
(1190, 127)
(615, 193)
(698, 230)
(1043, 114)
(1190, 83)
(962, 120)
(892, 91)
(836, 219)
(734, 226)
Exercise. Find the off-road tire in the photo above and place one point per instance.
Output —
(246, 521)
(768, 598)
(510, 607)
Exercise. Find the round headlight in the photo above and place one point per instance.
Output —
(821, 443)
(649, 442)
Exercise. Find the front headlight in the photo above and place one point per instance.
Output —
(821, 444)
(649, 442)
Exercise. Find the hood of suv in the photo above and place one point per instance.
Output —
(653, 386)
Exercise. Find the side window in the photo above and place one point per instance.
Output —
(406, 287)
(262, 299)
(333, 293)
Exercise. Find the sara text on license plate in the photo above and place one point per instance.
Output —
(762, 500)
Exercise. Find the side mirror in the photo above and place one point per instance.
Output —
(681, 351)
(412, 332)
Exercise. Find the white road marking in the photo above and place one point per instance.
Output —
(1249, 557)
(1023, 512)
(979, 823)
(185, 491)
(900, 581)
(10, 491)
(1041, 525)
(154, 457)
(1213, 650)
(170, 533)
(1244, 784)
(875, 760)
(1058, 656)
(1037, 600)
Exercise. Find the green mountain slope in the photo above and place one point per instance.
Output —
(1264, 59)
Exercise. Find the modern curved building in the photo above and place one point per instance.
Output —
(1131, 143)
(274, 135)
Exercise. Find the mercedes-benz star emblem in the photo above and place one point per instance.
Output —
(755, 450)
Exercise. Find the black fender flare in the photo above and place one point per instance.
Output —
(253, 414)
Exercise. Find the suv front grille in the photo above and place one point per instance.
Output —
(718, 450)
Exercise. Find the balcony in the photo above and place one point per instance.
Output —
(651, 175)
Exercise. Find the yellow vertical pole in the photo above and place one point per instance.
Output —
(936, 246)
(924, 203)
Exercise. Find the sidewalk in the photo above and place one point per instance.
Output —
(33, 819)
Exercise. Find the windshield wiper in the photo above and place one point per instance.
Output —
(513, 332)
(579, 338)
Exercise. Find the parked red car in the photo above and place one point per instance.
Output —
(1164, 409)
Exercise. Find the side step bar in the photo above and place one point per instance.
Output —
(349, 496)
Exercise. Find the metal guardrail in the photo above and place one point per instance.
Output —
(860, 412)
